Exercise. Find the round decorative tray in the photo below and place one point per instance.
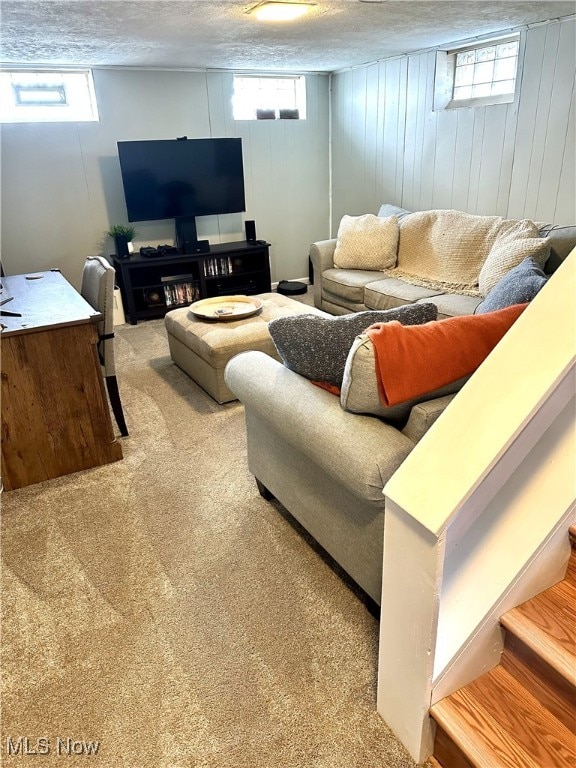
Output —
(226, 307)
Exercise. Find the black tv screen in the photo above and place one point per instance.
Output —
(170, 178)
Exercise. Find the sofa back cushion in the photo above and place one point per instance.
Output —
(561, 239)
(388, 209)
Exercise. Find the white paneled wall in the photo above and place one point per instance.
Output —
(61, 184)
(515, 160)
(543, 175)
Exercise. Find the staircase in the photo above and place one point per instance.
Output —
(521, 714)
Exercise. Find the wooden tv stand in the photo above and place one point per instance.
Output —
(152, 286)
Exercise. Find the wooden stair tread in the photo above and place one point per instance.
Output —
(474, 732)
(554, 611)
(552, 690)
(522, 714)
(496, 722)
(546, 624)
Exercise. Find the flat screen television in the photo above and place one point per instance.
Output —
(182, 179)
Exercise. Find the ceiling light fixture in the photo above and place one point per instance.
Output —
(278, 11)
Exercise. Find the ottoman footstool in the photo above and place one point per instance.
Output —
(201, 348)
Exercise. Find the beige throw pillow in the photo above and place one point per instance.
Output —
(511, 249)
(367, 242)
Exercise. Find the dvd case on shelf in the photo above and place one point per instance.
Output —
(221, 266)
(181, 293)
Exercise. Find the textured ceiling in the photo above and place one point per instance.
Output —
(219, 34)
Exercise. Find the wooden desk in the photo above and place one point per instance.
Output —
(55, 415)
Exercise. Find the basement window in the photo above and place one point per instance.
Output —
(262, 97)
(477, 75)
(47, 96)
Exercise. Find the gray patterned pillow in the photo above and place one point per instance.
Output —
(317, 347)
(518, 286)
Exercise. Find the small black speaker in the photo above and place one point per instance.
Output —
(198, 246)
(250, 227)
(121, 247)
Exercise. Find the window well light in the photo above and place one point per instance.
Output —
(279, 11)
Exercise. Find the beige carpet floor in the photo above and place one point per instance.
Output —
(160, 607)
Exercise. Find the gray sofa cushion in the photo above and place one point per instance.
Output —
(317, 347)
(561, 240)
(389, 292)
(518, 286)
(348, 284)
(454, 304)
(387, 209)
(423, 415)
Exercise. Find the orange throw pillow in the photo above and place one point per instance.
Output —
(414, 359)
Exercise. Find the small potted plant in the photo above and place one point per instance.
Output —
(123, 235)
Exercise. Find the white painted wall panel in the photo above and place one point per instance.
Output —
(372, 142)
(61, 183)
(444, 153)
(410, 190)
(558, 120)
(344, 176)
(490, 160)
(464, 143)
(507, 162)
(534, 54)
(430, 135)
(565, 198)
(513, 160)
(389, 120)
(44, 164)
(402, 99)
(286, 164)
(542, 118)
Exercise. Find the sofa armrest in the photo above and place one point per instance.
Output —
(423, 415)
(322, 255)
(322, 258)
(360, 452)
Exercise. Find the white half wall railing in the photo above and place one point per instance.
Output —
(477, 516)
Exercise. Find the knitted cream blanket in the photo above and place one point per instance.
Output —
(445, 250)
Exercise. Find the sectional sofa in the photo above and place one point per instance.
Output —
(325, 452)
(441, 234)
